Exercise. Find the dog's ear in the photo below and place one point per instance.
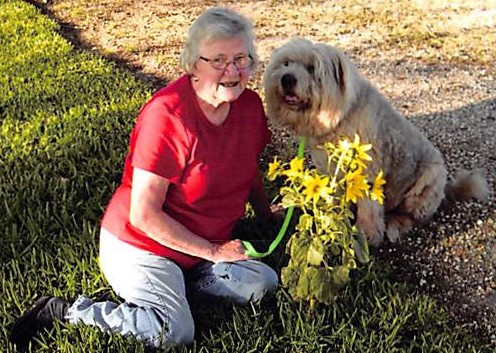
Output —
(336, 65)
(339, 73)
(330, 65)
(337, 79)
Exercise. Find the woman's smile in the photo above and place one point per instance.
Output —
(229, 84)
(224, 84)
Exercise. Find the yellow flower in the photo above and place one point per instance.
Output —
(295, 168)
(377, 192)
(329, 146)
(356, 185)
(315, 187)
(344, 145)
(273, 169)
(361, 150)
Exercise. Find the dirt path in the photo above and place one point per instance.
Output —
(435, 62)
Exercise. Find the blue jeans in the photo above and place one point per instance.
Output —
(154, 289)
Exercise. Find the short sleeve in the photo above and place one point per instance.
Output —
(160, 143)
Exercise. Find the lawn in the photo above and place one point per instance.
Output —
(65, 115)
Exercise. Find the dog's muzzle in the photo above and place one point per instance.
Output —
(288, 83)
(289, 96)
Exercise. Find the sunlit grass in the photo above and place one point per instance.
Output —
(65, 117)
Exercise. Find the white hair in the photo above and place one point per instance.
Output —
(213, 24)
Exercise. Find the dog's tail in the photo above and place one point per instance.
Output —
(467, 185)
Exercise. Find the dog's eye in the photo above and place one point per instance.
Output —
(310, 69)
(286, 63)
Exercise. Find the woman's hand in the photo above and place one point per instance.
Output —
(146, 214)
(230, 251)
(278, 212)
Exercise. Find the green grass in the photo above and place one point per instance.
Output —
(65, 117)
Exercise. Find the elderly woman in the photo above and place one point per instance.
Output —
(191, 168)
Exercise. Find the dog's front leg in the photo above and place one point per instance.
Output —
(370, 220)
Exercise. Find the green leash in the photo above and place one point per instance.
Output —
(250, 250)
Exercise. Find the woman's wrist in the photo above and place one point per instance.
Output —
(211, 253)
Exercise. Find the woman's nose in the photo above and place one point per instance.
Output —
(231, 68)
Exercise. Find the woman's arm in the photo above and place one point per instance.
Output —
(147, 197)
(258, 199)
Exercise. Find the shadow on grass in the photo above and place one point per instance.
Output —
(70, 32)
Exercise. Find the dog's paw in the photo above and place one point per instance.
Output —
(398, 224)
(370, 220)
(375, 238)
(393, 233)
(371, 223)
(373, 231)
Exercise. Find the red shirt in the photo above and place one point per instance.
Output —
(211, 168)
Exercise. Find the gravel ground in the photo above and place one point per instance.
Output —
(453, 257)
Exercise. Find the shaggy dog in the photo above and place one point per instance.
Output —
(314, 90)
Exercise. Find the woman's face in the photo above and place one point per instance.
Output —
(217, 86)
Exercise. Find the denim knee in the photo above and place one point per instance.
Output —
(252, 280)
(179, 330)
(267, 283)
(271, 280)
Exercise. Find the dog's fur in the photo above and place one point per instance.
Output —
(315, 91)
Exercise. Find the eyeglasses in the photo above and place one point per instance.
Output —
(221, 62)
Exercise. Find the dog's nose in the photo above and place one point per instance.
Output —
(288, 81)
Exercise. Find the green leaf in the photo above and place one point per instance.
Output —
(305, 222)
(322, 287)
(341, 276)
(290, 276)
(289, 200)
(335, 249)
(298, 248)
(361, 247)
(304, 288)
(315, 253)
